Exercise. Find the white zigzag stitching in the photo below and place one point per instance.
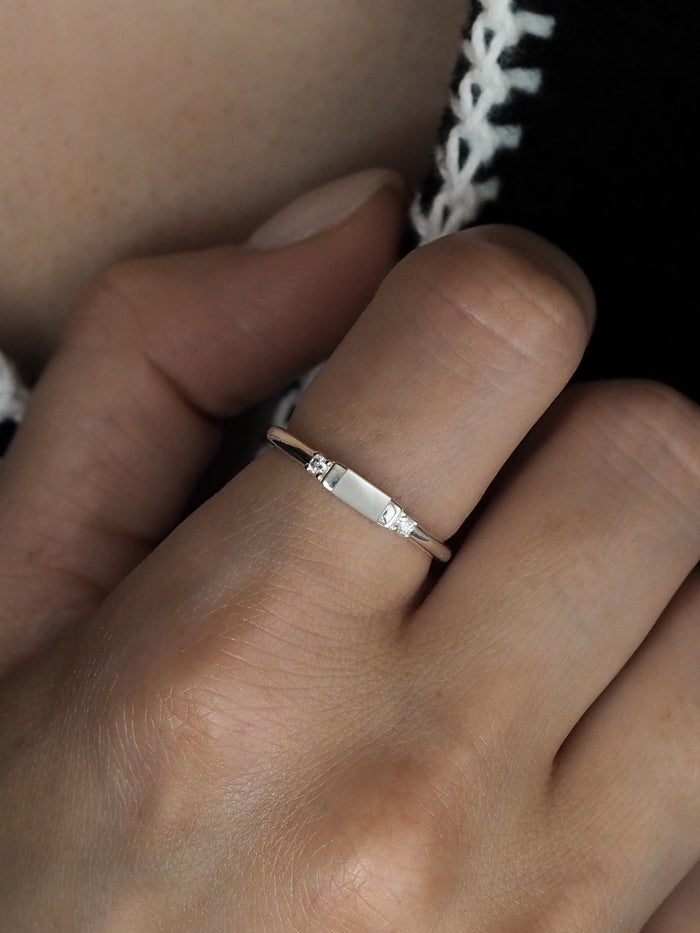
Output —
(460, 198)
(485, 85)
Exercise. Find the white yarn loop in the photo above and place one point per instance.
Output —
(474, 141)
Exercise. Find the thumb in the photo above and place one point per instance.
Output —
(124, 419)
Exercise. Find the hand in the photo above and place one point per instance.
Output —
(279, 719)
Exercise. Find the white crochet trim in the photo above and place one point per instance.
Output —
(485, 85)
(13, 395)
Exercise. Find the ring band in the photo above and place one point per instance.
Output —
(356, 492)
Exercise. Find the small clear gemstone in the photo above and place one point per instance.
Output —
(395, 519)
(318, 466)
(405, 525)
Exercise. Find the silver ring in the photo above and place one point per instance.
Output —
(355, 491)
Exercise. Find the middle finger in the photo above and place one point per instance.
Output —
(471, 337)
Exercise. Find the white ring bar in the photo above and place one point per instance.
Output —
(355, 491)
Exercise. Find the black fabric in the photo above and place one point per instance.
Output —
(7, 432)
(433, 181)
(607, 169)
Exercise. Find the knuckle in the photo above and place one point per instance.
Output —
(648, 431)
(507, 295)
(108, 308)
(387, 852)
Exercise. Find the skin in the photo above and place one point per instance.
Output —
(186, 125)
(306, 743)
(254, 726)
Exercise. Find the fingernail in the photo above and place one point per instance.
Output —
(323, 208)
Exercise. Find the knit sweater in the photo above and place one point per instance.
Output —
(572, 118)
(575, 119)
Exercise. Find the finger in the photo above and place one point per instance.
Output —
(680, 912)
(628, 779)
(465, 344)
(463, 348)
(584, 542)
(123, 420)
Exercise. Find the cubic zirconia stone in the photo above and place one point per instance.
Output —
(405, 525)
(318, 466)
